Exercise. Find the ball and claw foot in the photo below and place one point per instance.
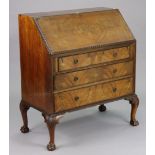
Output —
(134, 123)
(102, 108)
(24, 129)
(51, 147)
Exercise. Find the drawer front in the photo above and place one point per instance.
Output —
(85, 96)
(83, 60)
(73, 79)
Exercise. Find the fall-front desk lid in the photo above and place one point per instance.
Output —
(82, 29)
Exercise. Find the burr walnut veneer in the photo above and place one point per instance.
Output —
(75, 59)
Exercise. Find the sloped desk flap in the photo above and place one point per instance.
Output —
(82, 30)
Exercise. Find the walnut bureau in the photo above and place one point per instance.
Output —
(72, 60)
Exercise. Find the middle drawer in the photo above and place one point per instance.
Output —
(68, 80)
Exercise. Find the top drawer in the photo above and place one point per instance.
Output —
(92, 58)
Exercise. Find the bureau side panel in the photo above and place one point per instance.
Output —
(36, 67)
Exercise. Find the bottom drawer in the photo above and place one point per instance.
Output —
(84, 96)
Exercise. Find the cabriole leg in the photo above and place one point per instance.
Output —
(134, 101)
(51, 122)
(23, 109)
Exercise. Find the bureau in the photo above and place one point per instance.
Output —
(72, 60)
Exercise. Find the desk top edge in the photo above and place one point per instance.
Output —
(62, 12)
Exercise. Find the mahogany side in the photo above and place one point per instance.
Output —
(36, 67)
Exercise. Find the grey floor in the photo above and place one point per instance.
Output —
(82, 132)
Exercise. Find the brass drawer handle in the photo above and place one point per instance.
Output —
(76, 98)
(114, 54)
(114, 89)
(76, 78)
(114, 70)
(76, 61)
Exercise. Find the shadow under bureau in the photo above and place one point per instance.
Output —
(72, 60)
